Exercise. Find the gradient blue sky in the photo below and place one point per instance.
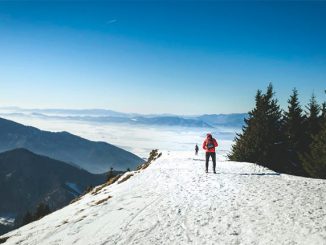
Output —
(155, 57)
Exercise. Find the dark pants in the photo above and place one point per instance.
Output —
(213, 155)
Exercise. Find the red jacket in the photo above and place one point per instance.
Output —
(207, 141)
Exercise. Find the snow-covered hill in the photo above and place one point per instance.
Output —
(174, 202)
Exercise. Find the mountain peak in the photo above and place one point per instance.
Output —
(95, 157)
(19, 153)
(20, 150)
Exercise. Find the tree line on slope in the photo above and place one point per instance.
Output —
(291, 141)
(41, 211)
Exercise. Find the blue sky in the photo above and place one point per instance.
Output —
(159, 57)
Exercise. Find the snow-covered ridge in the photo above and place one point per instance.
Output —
(174, 202)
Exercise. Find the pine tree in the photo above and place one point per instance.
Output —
(110, 174)
(240, 150)
(323, 110)
(313, 120)
(314, 162)
(28, 218)
(41, 210)
(293, 130)
(261, 140)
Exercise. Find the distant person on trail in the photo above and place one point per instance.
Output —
(209, 145)
(196, 149)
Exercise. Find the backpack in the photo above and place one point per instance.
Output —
(210, 144)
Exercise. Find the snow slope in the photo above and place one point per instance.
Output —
(174, 202)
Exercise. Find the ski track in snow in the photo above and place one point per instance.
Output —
(174, 202)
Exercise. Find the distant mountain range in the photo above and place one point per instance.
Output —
(230, 120)
(95, 157)
(109, 116)
(27, 179)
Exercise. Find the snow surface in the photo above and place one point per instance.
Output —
(174, 202)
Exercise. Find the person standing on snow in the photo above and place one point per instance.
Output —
(209, 145)
(196, 149)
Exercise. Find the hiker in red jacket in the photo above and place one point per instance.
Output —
(209, 145)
